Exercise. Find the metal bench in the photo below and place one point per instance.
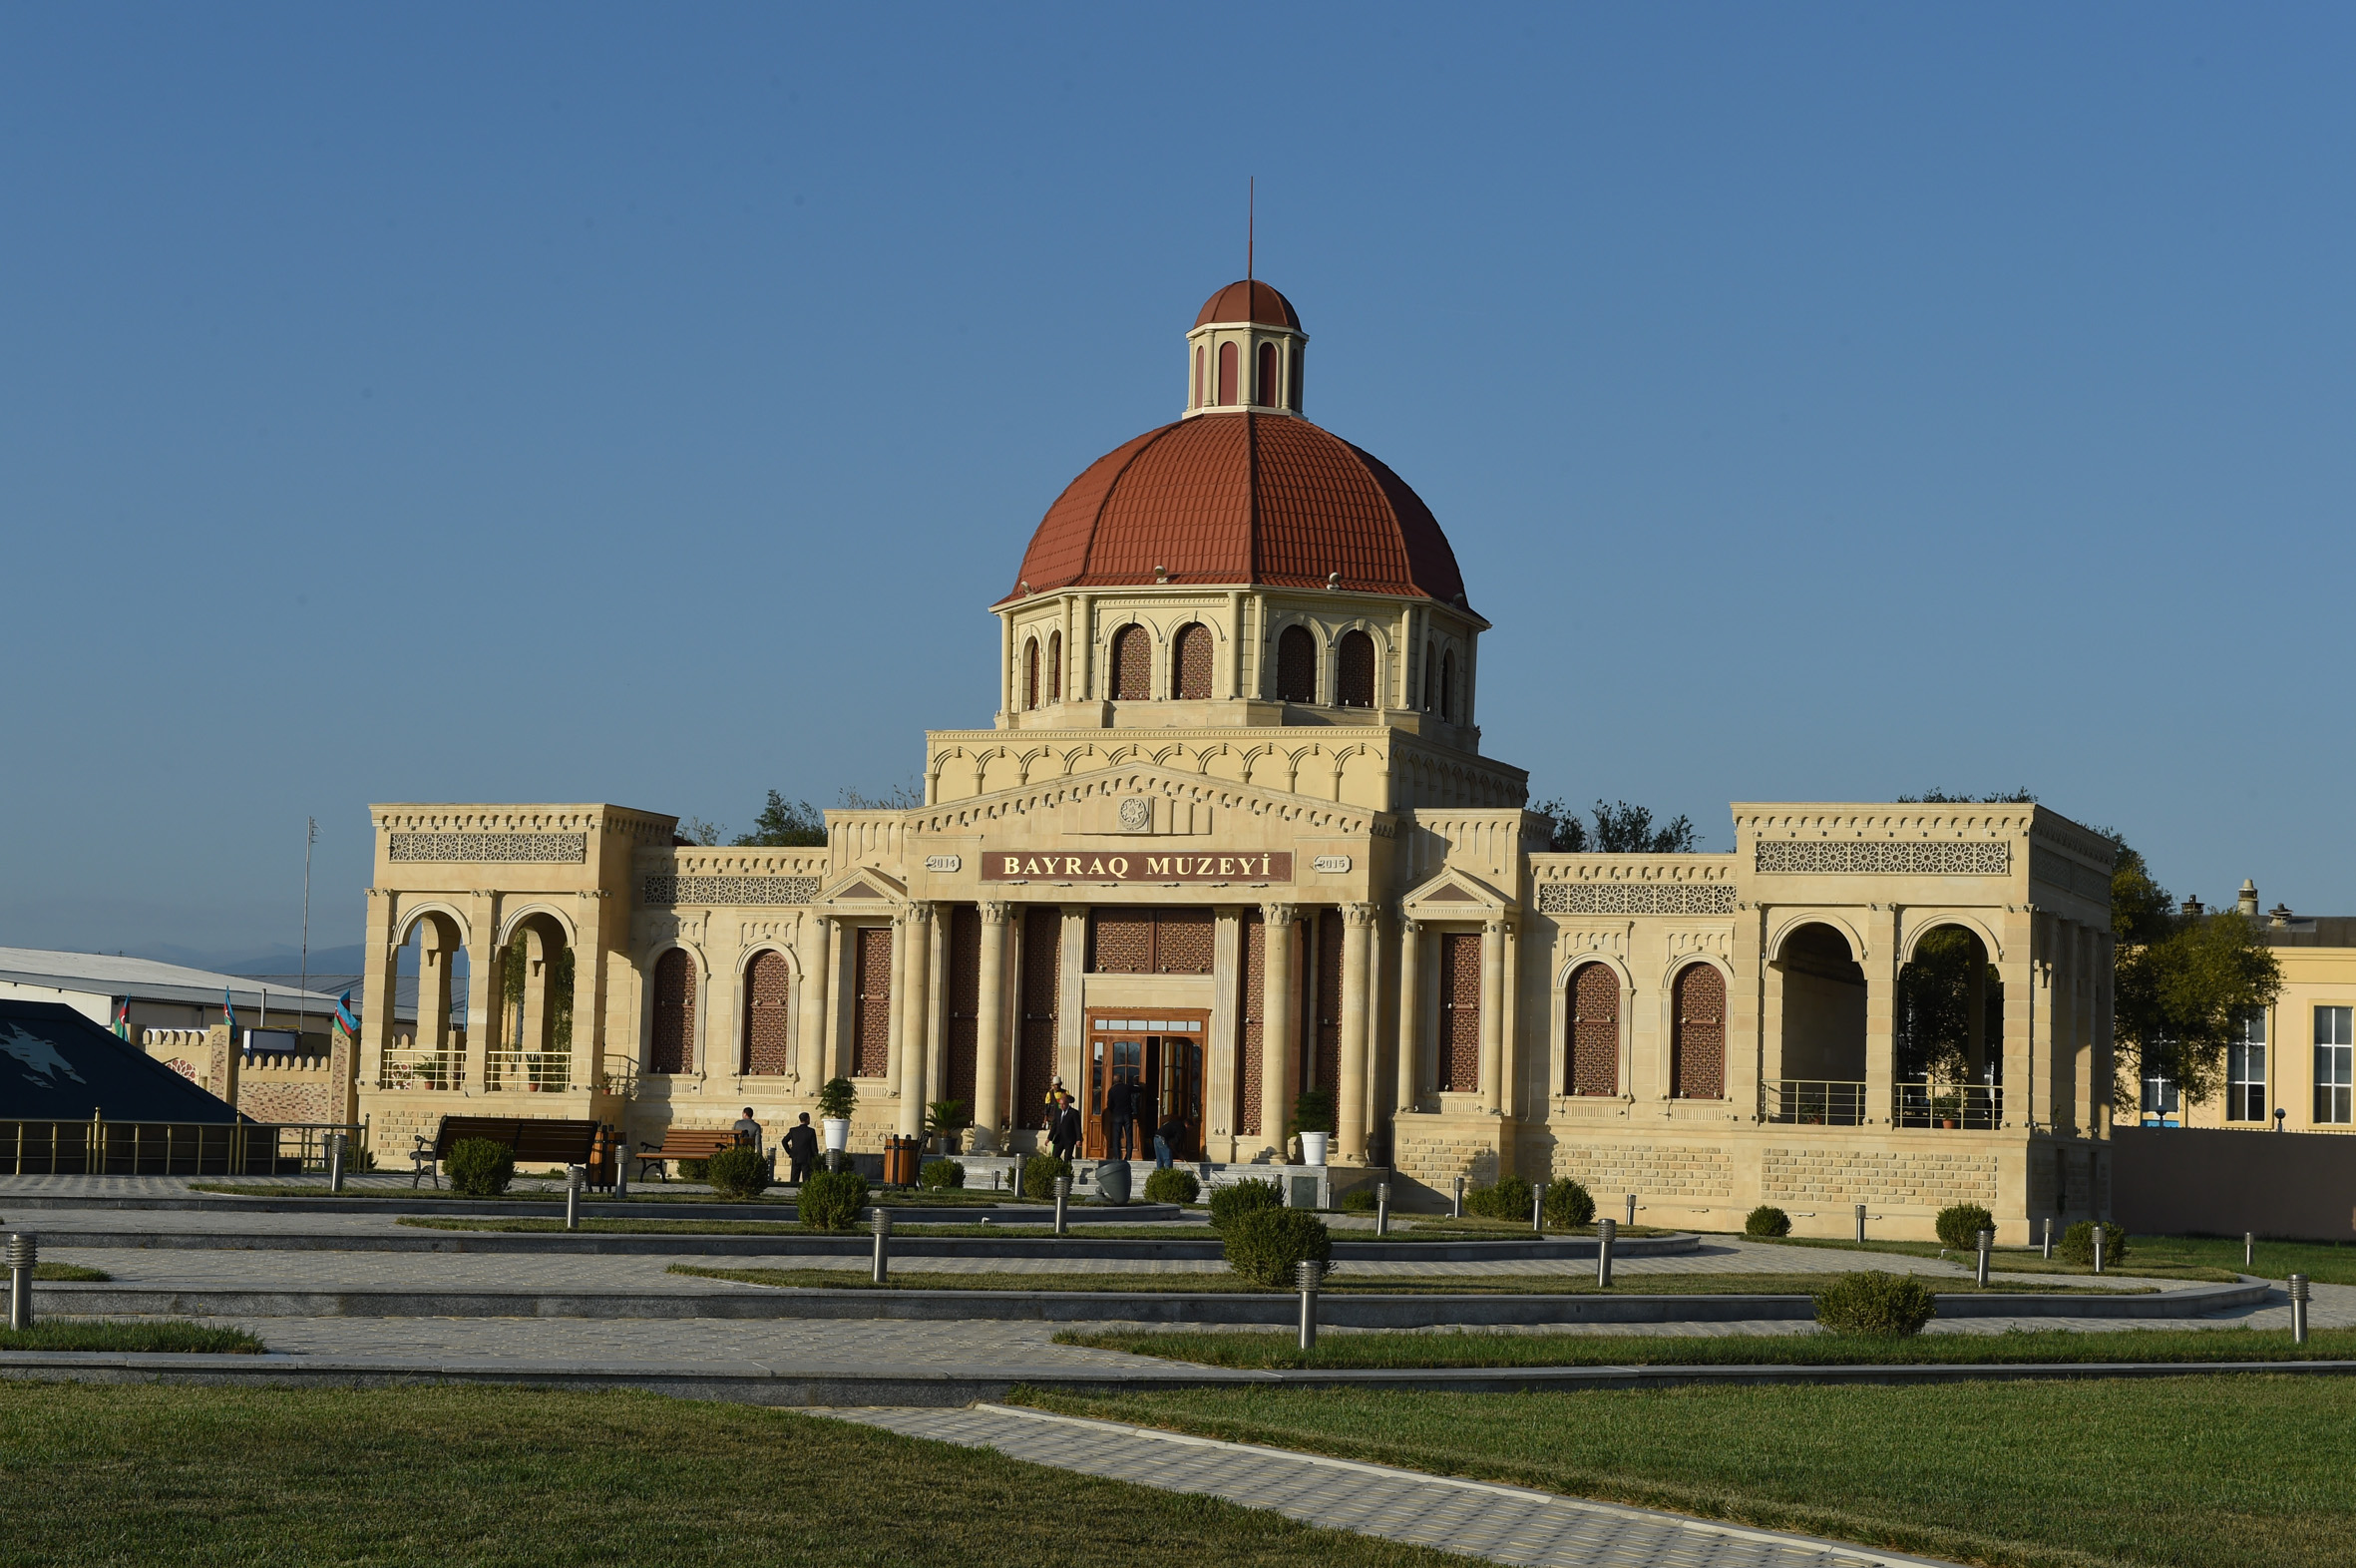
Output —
(532, 1139)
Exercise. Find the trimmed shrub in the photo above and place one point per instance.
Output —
(837, 1099)
(938, 1174)
(1959, 1225)
(1887, 1305)
(740, 1173)
(831, 1200)
(1766, 1220)
(1313, 1111)
(1172, 1186)
(479, 1168)
(2078, 1243)
(1263, 1245)
(694, 1170)
(1509, 1200)
(1249, 1196)
(1039, 1176)
(1568, 1205)
(1358, 1200)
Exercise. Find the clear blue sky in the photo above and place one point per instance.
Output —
(642, 404)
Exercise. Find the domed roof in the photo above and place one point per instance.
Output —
(1241, 498)
(1249, 301)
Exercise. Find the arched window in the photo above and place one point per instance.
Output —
(1133, 664)
(1190, 663)
(1226, 374)
(1595, 1031)
(1198, 377)
(1269, 391)
(1055, 666)
(767, 981)
(1447, 685)
(1296, 665)
(1430, 677)
(671, 1047)
(1030, 672)
(1697, 1052)
(1353, 671)
(1293, 383)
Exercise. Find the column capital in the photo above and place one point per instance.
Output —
(1411, 926)
(997, 912)
(915, 915)
(1279, 914)
(1360, 913)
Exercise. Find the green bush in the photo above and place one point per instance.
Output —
(1888, 1306)
(836, 1098)
(2078, 1243)
(1039, 1174)
(740, 1173)
(1766, 1220)
(1959, 1225)
(1265, 1244)
(1509, 1200)
(1172, 1186)
(694, 1170)
(831, 1200)
(1248, 1196)
(1568, 1205)
(938, 1174)
(1358, 1200)
(479, 1168)
(1313, 1111)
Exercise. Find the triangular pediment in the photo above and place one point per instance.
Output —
(1456, 895)
(866, 885)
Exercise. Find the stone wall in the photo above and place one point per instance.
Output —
(1673, 1172)
(1928, 1178)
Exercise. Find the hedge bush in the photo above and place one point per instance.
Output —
(694, 1170)
(1039, 1174)
(1766, 1220)
(740, 1173)
(1568, 1205)
(479, 1168)
(1250, 1196)
(831, 1200)
(2078, 1243)
(1887, 1305)
(1509, 1200)
(1263, 1245)
(1358, 1200)
(938, 1174)
(1959, 1225)
(1172, 1186)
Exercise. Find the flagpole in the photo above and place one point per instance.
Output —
(302, 993)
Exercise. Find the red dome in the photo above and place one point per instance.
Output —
(1249, 301)
(1240, 499)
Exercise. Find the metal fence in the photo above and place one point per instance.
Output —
(1973, 1106)
(98, 1147)
(1813, 1102)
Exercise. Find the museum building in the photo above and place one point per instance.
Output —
(1231, 836)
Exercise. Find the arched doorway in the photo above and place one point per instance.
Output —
(535, 1047)
(670, 1039)
(1353, 671)
(1133, 664)
(1296, 665)
(1697, 1045)
(1949, 1009)
(1595, 1031)
(768, 987)
(433, 1055)
(1190, 663)
(1822, 1079)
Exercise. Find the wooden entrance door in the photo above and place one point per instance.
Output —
(1161, 1053)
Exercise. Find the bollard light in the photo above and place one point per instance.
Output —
(1381, 1208)
(2100, 1234)
(1306, 1272)
(1456, 1204)
(336, 1162)
(24, 1251)
(574, 1175)
(1063, 1197)
(1538, 1208)
(1632, 1208)
(1605, 1230)
(883, 1242)
(1986, 1246)
(1860, 1221)
(2250, 1249)
(2298, 1309)
(622, 1173)
(2049, 1237)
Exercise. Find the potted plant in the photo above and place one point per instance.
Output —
(836, 1101)
(945, 1123)
(1313, 1119)
(1947, 1109)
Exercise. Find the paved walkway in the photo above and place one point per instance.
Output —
(1503, 1524)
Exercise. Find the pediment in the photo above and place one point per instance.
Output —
(1456, 895)
(866, 885)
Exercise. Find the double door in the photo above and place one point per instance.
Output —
(1161, 1055)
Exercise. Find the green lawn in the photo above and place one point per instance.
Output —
(1370, 1282)
(890, 1197)
(791, 1227)
(69, 1334)
(73, 1273)
(2147, 1257)
(2332, 1263)
(1253, 1348)
(521, 1478)
(2219, 1472)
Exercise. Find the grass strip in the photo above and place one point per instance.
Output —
(1385, 1350)
(895, 1197)
(2225, 1472)
(793, 1228)
(515, 1478)
(1340, 1284)
(2153, 1263)
(74, 1333)
(69, 1272)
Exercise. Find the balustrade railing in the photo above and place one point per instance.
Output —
(536, 1071)
(1812, 1103)
(1972, 1107)
(407, 1066)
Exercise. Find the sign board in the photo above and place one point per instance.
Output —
(1135, 866)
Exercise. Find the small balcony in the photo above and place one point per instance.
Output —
(1976, 1107)
(1812, 1103)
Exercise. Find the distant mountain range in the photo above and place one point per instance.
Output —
(272, 962)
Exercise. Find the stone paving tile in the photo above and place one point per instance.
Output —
(1499, 1523)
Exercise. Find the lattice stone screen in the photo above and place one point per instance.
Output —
(1635, 897)
(664, 892)
(562, 849)
(1886, 857)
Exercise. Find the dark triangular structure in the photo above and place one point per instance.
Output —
(58, 1065)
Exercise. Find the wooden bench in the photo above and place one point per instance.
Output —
(535, 1141)
(684, 1144)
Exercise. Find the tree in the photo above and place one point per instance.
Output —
(1934, 1004)
(783, 824)
(1620, 829)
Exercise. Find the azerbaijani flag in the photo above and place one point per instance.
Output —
(123, 1017)
(343, 1017)
(228, 1010)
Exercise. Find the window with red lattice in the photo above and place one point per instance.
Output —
(1697, 1068)
(1030, 672)
(1190, 663)
(1253, 1034)
(871, 1002)
(1133, 664)
(1353, 671)
(671, 1041)
(1296, 665)
(961, 1004)
(768, 999)
(1595, 1031)
(1042, 969)
(1459, 1011)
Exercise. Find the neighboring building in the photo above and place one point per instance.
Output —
(2297, 1057)
(162, 995)
(56, 1064)
(1231, 836)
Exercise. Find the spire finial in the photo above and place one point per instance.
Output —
(1251, 222)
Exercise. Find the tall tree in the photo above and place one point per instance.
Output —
(784, 824)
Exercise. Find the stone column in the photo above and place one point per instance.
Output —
(590, 977)
(1279, 1011)
(1509, 1078)
(2082, 993)
(1350, 1107)
(2104, 958)
(1492, 1015)
(2019, 970)
(481, 996)
(1411, 1019)
(1880, 963)
(1746, 1009)
(1071, 1013)
(990, 1032)
(818, 968)
(383, 963)
(936, 1031)
(910, 983)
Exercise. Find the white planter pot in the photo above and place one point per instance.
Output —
(838, 1133)
(1313, 1148)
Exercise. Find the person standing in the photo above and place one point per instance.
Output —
(801, 1150)
(1120, 1103)
(1066, 1136)
(748, 1131)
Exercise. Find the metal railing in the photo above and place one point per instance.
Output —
(407, 1066)
(547, 1072)
(1973, 1106)
(1812, 1103)
(98, 1147)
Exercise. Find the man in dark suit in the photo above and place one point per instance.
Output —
(1063, 1136)
(1120, 1109)
(801, 1148)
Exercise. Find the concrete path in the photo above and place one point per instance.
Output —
(1504, 1524)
